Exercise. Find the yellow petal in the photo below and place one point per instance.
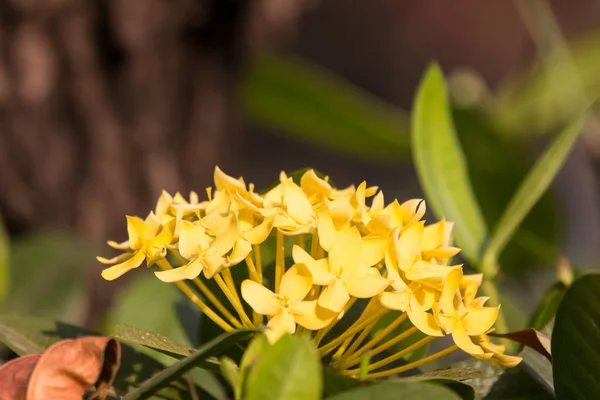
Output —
(301, 256)
(240, 251)
(213, 265)
(319, 268)
(480, 319)
(408, 245)
(377, 204)
(449, 290)
(298, 205)
(326, 230)
(365, 283)
(261, 232)
(346, 251)
(334, 297)
(373, 250)
(245, 218)
(296, 282)
(433, 236)
(274, 196)
(312, 184)
(380, 225)
(424, 321)
(413, 210)
(226, 236)
(391, 266)
(394, 300)
(261, 299)
(464, 342)
(188, 271)
(281, 323)
(442, 252)
(505, 361)
(422, 298)
(137, 232)
(395, 213)
(119, 246)
(152, 223)
(192, 238)
(118, 259)
(371, 190)
(116, 271)
(310, 315)
(428, 274)
(342, 210)
(224, 181)
(163, 204)
(447, 323)
(164, 238)
(471, 279)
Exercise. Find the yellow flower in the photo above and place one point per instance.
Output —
(287, 308)
(202, 252)
(148, 239)
(463, 320)
(346, 271)
(435, 244)
(497, 351)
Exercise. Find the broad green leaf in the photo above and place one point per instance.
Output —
(213, 348)
(150, 304)
(539, 368)
(516, 384)
(4, 263)
(250, 358)
(231, 373)
(290, 369)
(47, 275)
(546, 309)
(33, 335)
(152, 340)
(334, 382)
(576, 341)
(532, 188)
(452, 378)
(397, 390)
(309, 104)
(441, 165)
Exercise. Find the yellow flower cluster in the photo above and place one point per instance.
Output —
(344, 250)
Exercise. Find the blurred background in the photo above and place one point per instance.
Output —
(105, 103)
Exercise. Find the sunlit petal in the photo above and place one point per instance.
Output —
(137, 231)
(408, 245)
(326, 230)
(394, 301)
(479, 320)
(240, 251)
(365, 283)
(381, 225)
(346, 251)
(464, 342)
(226, 236)
(119, 246)
(224, 181)
(441, 252)
(334, 297)
(261, 299)
(191, 237)
(373, 250)
(310, 315)
(424, 321)
(296, 282)
(422, 298)
(413, 210)
(298, 205)
(312, 184)
(116, 271)
(213, 265)
(188, 271)
(261, 232)
(281, 323)
(449, 290)
(115, 260)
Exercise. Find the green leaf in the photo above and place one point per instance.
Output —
(152, 340)
(306, 103)
(213, 348)
(160, 299)
(441, 165)
(452, 378)
(539, 368)
(576, 341)
(334, 382)
(290, 369)
(47, 271)
(4, 263)
(546, 309)
(231, 373)
(533, 187)
(397, 390)
(250, 358)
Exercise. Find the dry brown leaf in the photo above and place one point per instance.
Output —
(71, 366)
(14, 377)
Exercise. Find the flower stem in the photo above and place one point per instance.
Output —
(415, 364)
(300, 240)
(355, 358)
(258, 261)
(377, 338)
(208, 294)
(333, 323)
(279, 260)
(252, 272)
(237, 305)
(354, 329)
(164, 265)
(314, 245)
